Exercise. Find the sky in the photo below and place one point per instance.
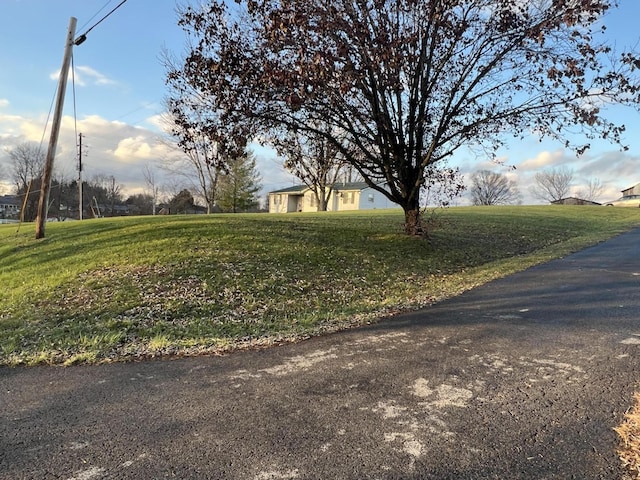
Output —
(119, 98)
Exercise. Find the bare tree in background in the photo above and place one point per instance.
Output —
(106, 191)
(152, 186)
(27, 165)
(201, 163)
(316, 161)
(593, 190)
(552, 185)
(492, 188)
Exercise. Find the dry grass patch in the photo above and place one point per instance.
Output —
(629, 433)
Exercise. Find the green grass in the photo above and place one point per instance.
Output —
(111, 289)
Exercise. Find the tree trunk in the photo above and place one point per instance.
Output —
(322, 203)
(412, 221)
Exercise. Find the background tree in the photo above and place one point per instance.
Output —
(27, 165)
(107, 193)
(114, 193)
(492, 188)
(153, 190)
(182, 202)
(592, 191)
(204, 158)
(552, 185)
(140, 204)
(63, 198)
(315, 161)
(239, 186)
(406, 83)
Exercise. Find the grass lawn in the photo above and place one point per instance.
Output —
(108, 289)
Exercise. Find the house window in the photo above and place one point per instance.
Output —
(371, 198)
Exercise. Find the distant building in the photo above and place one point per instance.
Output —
(630, 198)
(635, 190)
(574, 201)
(9, 206)
(344, 196)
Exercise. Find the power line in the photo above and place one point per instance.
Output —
(95, 15)
(83, 37)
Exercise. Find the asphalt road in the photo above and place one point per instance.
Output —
(523, 378)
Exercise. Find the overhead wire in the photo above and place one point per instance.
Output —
(83, 37)
(46, 123)
(73, 94)
(95, 15)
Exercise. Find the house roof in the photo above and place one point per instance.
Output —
(340, 186)
(631, 187)
(581, 200)
(10, 200)
(350, 186)
(292, 189)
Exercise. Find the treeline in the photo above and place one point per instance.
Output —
(101, 197)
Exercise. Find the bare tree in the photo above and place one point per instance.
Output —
(317, 162)
(27, 164)
(114, 192)
(152, 186)
(592, 191)
(201, 163)
(552, 185)
(408, 82)
(106, 191)
(492, 188)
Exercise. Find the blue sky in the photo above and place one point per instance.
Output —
(120, 90)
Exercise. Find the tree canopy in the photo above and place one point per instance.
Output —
(402, 84)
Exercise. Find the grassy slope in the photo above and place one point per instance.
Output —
(118, 288)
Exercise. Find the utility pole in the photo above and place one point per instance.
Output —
(80, 175)
(43, 204)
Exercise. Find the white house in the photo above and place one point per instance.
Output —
(9, 206)
(344, 196)
(630, 197)
(635, 190)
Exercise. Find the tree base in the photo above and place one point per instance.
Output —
(413, 224)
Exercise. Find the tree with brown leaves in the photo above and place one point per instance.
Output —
(405, 82)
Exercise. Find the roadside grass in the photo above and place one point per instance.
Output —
(124, 288)
(629, 432)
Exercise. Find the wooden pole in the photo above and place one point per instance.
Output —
(43, 204)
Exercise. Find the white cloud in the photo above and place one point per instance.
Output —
(542, 160)
(84, 76)
(137, 148)
(158, 121)
(4, 102)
